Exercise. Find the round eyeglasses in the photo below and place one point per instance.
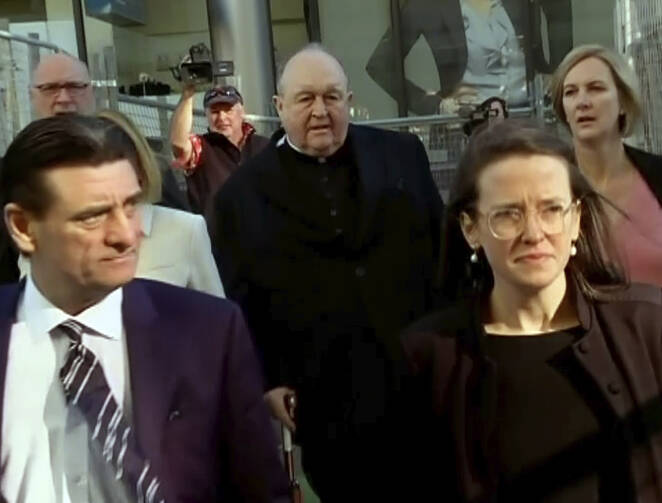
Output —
(509, 222)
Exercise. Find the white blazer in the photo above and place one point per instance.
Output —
(175, 249)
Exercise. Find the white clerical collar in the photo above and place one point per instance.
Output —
(41, 316)
(286, 138)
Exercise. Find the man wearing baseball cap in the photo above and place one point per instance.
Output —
(209, 159)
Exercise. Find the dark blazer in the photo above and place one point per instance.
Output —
(650, 167)
(326, 312)
(196, 392)
(9, 272)
(454, 388)
(440, 23)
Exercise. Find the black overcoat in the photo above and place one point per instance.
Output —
(326, 318)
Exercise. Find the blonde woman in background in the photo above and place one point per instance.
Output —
(596, 94)
(175, 247)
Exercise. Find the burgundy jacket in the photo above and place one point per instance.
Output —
(454, 389)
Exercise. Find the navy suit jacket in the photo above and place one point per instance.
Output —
(196, 391)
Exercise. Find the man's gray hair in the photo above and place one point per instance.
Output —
(312, 47)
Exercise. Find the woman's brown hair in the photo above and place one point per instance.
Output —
(596, 264)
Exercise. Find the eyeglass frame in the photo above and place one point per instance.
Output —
(75, 88)
(575, 203)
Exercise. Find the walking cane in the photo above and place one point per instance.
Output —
(288, 452)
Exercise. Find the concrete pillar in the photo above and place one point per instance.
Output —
(240, 31)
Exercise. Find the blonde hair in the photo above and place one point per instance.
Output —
(622, 73)
(150, 175)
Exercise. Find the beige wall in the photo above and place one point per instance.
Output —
(165, 17)
(351, 30)
(59, 10)
(593, 22)
(288, 29)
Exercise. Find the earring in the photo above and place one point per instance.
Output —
(474, 257)
(573, 250)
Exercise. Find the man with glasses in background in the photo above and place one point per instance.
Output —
(209, 159)
(61, 84)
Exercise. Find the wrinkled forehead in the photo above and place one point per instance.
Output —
(80, 185)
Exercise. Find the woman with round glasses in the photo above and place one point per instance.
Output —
(542, 381)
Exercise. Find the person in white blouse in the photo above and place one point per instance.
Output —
(175, 247)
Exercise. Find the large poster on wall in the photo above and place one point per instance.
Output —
(480, 48)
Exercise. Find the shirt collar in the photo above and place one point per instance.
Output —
(41, 316)
(286, 138)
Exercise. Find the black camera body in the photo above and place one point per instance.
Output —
(197, 68)
(481, 114)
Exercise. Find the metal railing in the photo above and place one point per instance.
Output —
(29, 41)
(441, 135)
(152, 115)
(18, 56)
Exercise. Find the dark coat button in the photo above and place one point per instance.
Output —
(174, 414)
(360, 271)
(613, 388)
(583, 347)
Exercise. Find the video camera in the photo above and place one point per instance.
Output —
(197, 68)
(481, 114)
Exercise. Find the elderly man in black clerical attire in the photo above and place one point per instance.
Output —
(329, 241)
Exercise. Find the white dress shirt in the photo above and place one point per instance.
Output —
(36, 421)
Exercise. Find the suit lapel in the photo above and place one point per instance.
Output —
(151, 360)
(9, 296)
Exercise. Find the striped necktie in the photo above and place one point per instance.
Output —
(85, 387)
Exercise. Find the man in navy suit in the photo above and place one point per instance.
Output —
(111, 389)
